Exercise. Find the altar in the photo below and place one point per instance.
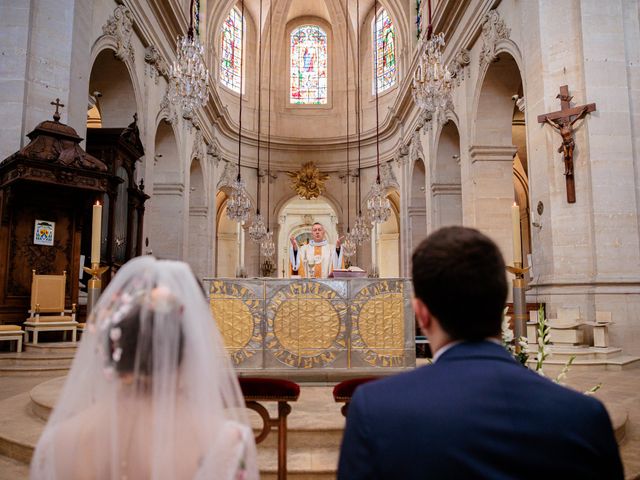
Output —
(336, 328)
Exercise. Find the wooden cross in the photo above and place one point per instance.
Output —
(57, 104)
(566, 117)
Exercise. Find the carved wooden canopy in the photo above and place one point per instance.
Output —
(54, 156)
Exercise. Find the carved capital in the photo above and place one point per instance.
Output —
(120, 26)
(493, 30)
(156, 65)
(458, 64)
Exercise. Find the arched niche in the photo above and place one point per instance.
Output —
(166, 209)
(111, 93)
(489, 186)
(227, 238)
(388, 248)
(198, 231)
(446, 188)
(418, 204)
(296, 216)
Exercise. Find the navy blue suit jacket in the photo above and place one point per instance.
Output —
(476, 413)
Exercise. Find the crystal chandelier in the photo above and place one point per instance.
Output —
(361, 230)
(258, 229)
(267, 247)
(432, 85)
(188, 76)
(348, 246)
(239, 205)
(378, 205)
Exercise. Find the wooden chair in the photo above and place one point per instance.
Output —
(256, 390)
(9, 333)
(343, 391)
(47, 307)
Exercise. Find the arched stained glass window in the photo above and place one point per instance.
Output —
(384, 46)
(308, 65)
(231, 56)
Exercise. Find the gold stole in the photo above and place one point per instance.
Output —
(317, 268)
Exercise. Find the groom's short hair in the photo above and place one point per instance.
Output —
(459, 274)
(317, 223)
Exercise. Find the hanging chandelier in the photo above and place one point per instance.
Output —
(267, 247)
(378, 206)
(432, 86)
(188, 76)
(258, 229)
(348, 246)
(239, 204)
(361, 228)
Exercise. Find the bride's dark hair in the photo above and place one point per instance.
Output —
(130, 341)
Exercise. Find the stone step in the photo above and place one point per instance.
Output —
(27, 370)
(52, 347)
(36, 358)
(309, 463)
(583, 352)
(621, 362)
(11, 469)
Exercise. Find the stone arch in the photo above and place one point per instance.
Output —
(165, 213)
(227, 238)
(490, 180)
(198, 215)
(446, 185)
(116, 84)
(417, 207)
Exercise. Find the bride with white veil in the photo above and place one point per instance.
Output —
(151, 393)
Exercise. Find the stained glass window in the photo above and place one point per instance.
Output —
(384, 65)
(308, 65)
(231, 56)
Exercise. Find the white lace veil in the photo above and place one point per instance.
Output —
(151, 393)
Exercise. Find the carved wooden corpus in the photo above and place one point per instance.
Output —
(563, 121)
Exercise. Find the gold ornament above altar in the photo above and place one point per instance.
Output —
(308, 182)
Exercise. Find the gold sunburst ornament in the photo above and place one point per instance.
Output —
(308, 182)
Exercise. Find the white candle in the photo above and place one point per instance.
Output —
(96, 232)
(517, 243)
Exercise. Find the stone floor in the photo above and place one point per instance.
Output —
(315, 424)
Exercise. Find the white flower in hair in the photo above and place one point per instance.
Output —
(162, 299)
(115, 334)
(117, 354)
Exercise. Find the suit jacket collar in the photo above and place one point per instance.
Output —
(477, 350)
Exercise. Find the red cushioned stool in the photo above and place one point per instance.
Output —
(343, 391)
(256, 390)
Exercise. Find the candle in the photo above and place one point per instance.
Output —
(95, 233)
(517, 244)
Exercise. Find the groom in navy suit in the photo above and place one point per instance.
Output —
(474, 413)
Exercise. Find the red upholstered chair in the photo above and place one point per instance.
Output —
(256, 390)
(343, 391)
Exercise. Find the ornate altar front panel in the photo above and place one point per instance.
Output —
(275, 324)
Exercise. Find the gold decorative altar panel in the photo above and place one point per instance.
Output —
(270, 324)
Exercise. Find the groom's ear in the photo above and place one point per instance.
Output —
(423, 315)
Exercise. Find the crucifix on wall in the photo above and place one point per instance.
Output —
(563, 121)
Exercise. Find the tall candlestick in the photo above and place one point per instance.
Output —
(96, 233)
(517, 243)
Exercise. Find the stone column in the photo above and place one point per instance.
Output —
(490, 193)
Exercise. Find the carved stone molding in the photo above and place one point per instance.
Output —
(120, 26)
(228, 176)
(493, 30)
(415, 147)
(167, 106)
(446, 189)
(458, 64)
(198, 146)
(156, 65)
(387, 176)
(213, 151)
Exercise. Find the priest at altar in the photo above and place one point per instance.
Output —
(316, 259)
